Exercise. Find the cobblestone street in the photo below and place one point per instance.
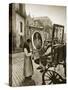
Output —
(17, 70)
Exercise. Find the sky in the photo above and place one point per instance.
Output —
(57, 14)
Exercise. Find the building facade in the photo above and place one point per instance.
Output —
(17, 22)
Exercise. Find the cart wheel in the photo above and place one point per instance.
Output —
(51, 77)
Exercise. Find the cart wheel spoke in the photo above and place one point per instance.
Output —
(51, 72)
(47, 76)
(50, 82)
(48, 73)
(55, 74)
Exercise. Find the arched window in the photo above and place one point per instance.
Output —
(21, 41)
(21, 26)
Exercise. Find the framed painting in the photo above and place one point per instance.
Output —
(37, 40)
(58, 33)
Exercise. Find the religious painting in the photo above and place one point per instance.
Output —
(37, 40)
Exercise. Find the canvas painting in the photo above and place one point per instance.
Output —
(37, 44)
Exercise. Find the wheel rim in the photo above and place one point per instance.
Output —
(52, 77)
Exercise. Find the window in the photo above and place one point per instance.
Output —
(21, 41)
(20, 26)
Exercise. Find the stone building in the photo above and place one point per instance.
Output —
(17, 22)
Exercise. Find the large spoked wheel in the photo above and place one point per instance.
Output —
(51, 77)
